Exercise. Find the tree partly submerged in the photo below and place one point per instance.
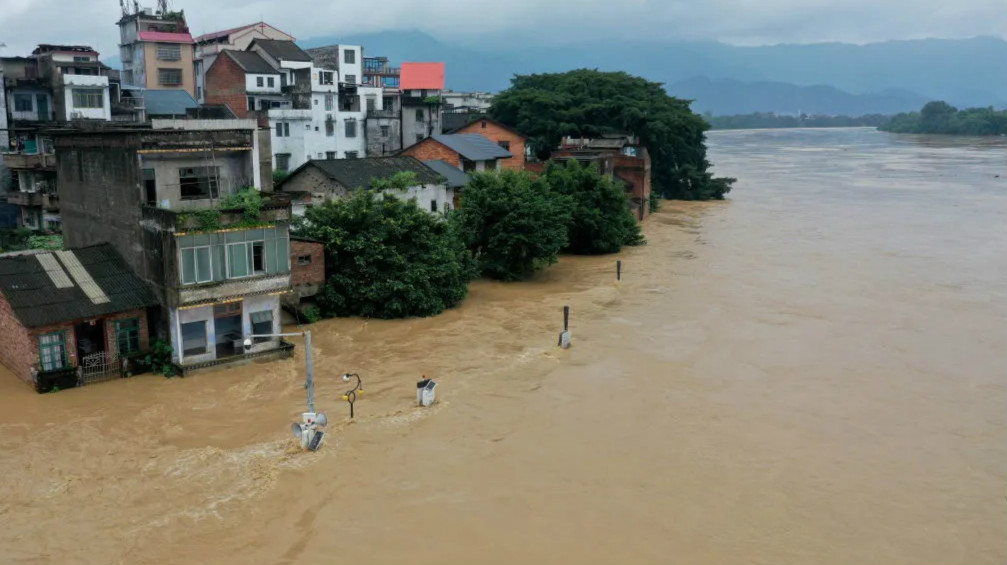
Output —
(586, 103)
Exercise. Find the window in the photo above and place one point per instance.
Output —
(282, 129)
(262, 323)
(283, 80)
(324, 77)
(271, 82)
(351, 128)
(330, 154)
(88, 98)
(351, 154)
(433, 205)
(196, 265)
(304, 259)
(504, 144)
(251, 102)
(196, 183)
(199, 92)
(52, 351)
(127, 335)
(351, 79)
(169, 52)
(169, 77)
(194, 338)
(385, 131)
(468, 166)
(349, 56)
(328, 102)
(246, 259)
(388, 102)
(149, 187)
(419, 113)
(282, 161)
(259, 81)
(330, 128)
(22, 103)
(81, 59)
(372, 103)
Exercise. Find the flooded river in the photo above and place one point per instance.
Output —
(814, 371)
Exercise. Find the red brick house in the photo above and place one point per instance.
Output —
(243, 81)
(67, 316)
(307, 267)
(502, 135)
(466, 151)
(619, 156)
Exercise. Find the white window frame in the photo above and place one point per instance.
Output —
(249, 257)
(91, 96)
(195, 264)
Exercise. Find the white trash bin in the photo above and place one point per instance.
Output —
(425, 394)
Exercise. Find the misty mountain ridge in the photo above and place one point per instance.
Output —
(874, 78)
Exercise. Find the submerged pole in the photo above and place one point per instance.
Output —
(618, 270)
(309, 382)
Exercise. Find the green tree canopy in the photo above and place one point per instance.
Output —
(386, 258)
(513, 224)
(601, 220)
(586, 103)
(941, 117)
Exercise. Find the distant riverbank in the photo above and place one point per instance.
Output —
(942, 118)
(761, 120)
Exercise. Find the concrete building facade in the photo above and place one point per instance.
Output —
(156, 50)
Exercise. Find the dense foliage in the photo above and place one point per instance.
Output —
(386, 258)
(513, 224)
(587, 103)
(600, 217)
(761, 120)
(941, 117)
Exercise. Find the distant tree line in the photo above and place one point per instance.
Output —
(768, 120)
(941, 117)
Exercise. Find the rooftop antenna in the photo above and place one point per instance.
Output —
(136, 7)
(162, 7)
(122, 6)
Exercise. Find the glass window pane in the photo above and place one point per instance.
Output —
(235, 236)
(219, 262)
(237, 256)
(252, 235)
(194, 338)
(203, 264)
(188, 266)
(270, 251)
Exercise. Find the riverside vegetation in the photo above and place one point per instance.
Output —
(941, 117)
(387, 258)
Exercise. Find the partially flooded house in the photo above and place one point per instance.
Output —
(156, 194)
(70, 316)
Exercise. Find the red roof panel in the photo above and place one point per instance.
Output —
(422, 76)
(165, 36)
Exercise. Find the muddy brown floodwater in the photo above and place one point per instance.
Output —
(811, 372)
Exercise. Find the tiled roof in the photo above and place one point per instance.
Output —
(358, 173)
(455, 177)
(251, 62)
(165, 36)
(473, 146)
(49, 288)
(282, 50)
(164, 102)
(422, 76)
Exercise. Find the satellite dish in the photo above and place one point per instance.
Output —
(296, 428)
(321, 420)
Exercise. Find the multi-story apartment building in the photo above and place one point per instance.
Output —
(384, 122)
(422, 85)
(311, 112)
(210, 45)
(156, 49)
(52, 87)
(154, 193)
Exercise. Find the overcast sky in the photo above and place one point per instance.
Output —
(25, 23)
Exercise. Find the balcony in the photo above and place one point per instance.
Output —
(40, 161)
(33, 199)
(277, 210)
(85, 80)
(382, 114)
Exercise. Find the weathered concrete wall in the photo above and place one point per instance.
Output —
(314, 182)
(379, 143)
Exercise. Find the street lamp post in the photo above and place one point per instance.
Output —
(308, 430)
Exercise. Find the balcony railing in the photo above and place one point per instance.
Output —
(29, 161)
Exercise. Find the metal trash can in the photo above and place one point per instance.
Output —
(425, 394)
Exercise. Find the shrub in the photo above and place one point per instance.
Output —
(311, 314)
(386, 258)
(513, 224)
(601, 220)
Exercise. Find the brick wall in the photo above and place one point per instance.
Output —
(430, 150)
(306, 279)
(17, 351)
(496, 133)
(225, 84)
